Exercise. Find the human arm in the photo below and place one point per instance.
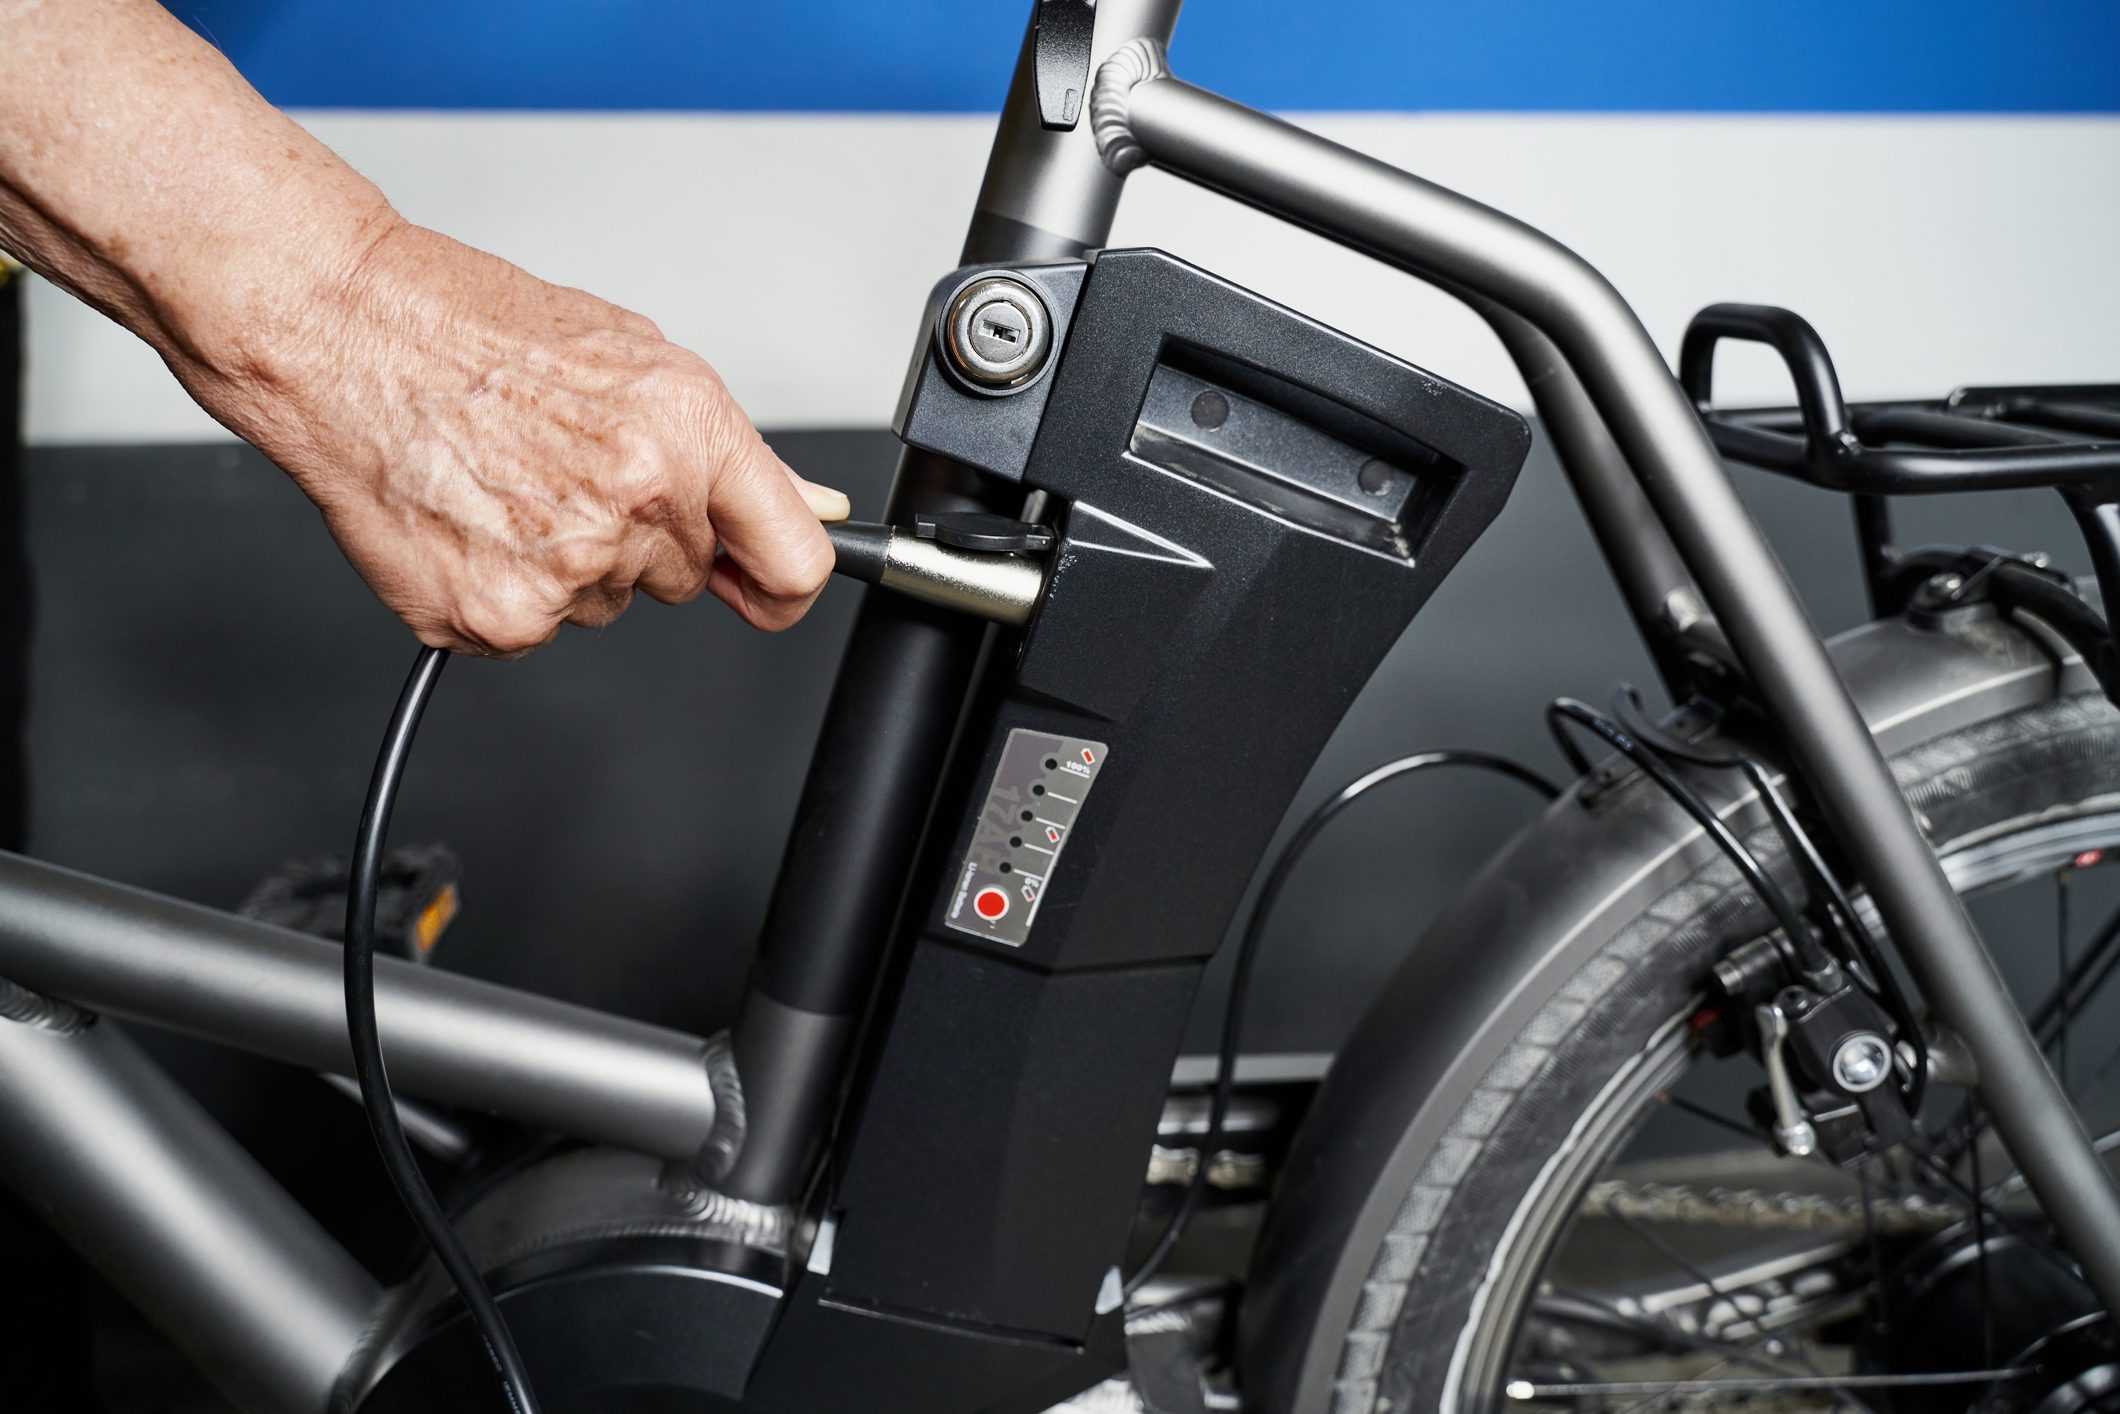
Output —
(496, 455)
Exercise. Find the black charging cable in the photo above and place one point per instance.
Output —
(398, 1161)
(1247, 954)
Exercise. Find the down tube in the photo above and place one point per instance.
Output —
(128, 1169)
(1431, 232)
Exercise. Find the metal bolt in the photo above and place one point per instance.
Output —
(1798, 1140)
(1862, 1062)
(997, 332)
(1945, 586)
(1682, 611)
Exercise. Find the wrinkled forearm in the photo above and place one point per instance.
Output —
(139, 171)
(495, 454)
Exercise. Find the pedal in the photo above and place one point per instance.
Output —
(419, 898)
(1163, 1359)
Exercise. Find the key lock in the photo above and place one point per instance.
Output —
(995, 336)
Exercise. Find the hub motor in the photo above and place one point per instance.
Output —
(2026, 1313)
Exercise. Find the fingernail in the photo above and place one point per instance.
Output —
(824, 502)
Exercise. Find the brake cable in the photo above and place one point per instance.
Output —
(1646, 742)
(1860, 952)
(1800, 940)
(1248, 951)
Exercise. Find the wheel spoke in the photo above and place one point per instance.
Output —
(1702, 1112)
(1582, 1307)
(1980, 1246)
(1654, 1396)
(2105, 1068)
(1985, 1212)
(2081, 980)
(1678, 1259)
(1870, 1244)
(1523, 1390)
(1732, 1307)
(2104, 1144)
(2061, 969)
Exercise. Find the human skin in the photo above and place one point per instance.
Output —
(494, 454)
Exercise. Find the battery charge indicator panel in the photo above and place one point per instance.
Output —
(1030, 810)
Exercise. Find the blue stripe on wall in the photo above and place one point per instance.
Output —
(954, 55)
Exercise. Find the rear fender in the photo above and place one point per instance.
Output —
(1524, 925)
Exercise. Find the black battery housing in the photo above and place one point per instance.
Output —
(1252, 507)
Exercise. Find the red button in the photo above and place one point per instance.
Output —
(990, 904)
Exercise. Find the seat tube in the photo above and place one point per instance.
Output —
(908, 668)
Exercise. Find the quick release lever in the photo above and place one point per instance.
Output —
(972, 562)
(1062, 54)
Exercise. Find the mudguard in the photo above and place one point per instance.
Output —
(1523, 926)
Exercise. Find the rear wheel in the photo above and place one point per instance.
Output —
(1602, 1229)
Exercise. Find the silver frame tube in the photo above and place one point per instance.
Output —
(143, 957)
(1048, 195)
(128, 1168)
(1438, 235)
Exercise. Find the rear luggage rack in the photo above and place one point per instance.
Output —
(1977, 439)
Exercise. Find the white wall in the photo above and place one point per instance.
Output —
(794, 251)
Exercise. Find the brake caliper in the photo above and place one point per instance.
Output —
(1832, 1066)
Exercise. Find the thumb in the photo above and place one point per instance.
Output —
(824, 502)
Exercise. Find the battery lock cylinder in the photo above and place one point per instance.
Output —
(996, 334)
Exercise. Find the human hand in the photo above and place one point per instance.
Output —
(498, 456)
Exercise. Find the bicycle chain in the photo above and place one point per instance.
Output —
(1756, 1208)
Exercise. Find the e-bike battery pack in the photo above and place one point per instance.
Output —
(1251, 508)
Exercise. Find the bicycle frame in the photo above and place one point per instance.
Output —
(133, 1172)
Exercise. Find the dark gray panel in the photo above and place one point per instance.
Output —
(210, 680)
(14, 568)
(209, 684)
